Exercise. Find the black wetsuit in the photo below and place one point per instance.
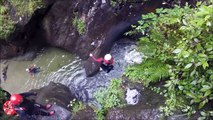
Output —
(28, 108)
(107, 67)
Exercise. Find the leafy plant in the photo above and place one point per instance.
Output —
(150, 71)
(26, 7)
(76, 106)
(6, 23)
(79, 24)
(100, 114)
(181, 38)
(109, 97)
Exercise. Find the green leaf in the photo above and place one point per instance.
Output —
(205, 88)
(204, 63)
(202, 104)
(203, 113)
(185, 54)
(177, 51)
(202, 55)
(209, 47)
(184, 22)
(207, 93)
(188, 66)
(190, 94)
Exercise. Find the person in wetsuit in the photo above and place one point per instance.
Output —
(106, 62)
(33, 69)
(26, 108)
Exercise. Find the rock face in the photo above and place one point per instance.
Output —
(104, 24)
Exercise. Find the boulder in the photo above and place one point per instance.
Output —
(85, 114)
(132, 96)
(57, 94)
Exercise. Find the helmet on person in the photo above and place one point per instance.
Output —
(16, 99)
(27, 70)
(107, 57)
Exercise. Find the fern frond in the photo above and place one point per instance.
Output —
(150, 71)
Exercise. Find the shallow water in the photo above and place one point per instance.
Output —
(63, 67)
(18, 80)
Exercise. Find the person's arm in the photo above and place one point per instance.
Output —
(27, 94)
(96, 59)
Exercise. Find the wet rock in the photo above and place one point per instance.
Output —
(60, 114)
(57, 94)
(54, 93)
(85, 114)
(133, 113)
(3, 72)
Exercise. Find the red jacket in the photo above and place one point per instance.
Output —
(101, 60)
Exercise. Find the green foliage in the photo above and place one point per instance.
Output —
(6, 23)
(22, 7)
(181, 38)
(26, 7)
(206, 115)
(100, 114)
(76, 106)
(2, 97)
(79, 24)
(150, 71)
(109, 97)
(2, 100)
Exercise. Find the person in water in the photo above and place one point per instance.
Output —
(106, 62)
(26, 108)
(32, 70)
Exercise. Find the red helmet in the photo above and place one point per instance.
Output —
(16, 99)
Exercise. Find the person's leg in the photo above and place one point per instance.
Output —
(104, 67)
(39, 111)
(48, 106)
(109, 68)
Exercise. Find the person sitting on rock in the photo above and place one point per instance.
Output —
(32, 70)
(106, 62)
(27, 108)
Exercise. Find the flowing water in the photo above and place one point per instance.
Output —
(60, 66)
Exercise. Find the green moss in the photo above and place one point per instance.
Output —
(26, 7)
(6, 23)
(79, 24)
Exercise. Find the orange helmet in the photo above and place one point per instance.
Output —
(16, 99)
(8, 108)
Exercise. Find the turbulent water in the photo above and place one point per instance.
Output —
(63, 67)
